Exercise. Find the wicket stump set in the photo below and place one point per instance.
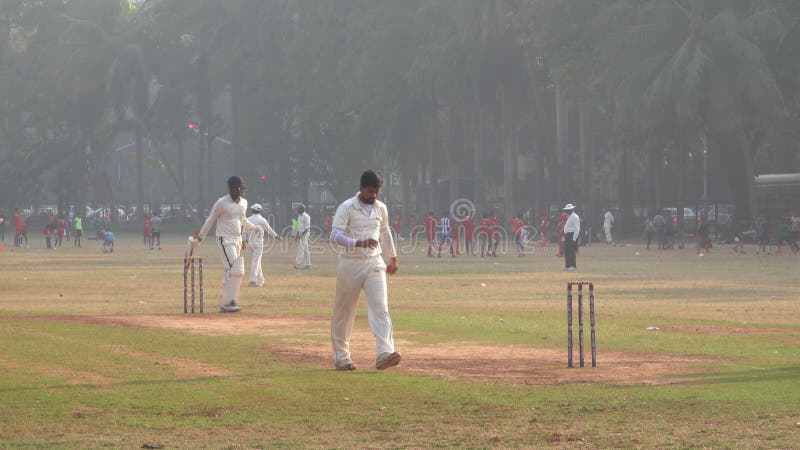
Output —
(580, 285)
(189, 266)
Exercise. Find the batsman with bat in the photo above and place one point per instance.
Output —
(359, 226)
(228, 213)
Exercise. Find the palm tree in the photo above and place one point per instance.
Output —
(697, 63)
(128, 83)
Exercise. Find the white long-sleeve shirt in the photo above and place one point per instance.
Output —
(608, 219)
(356, 221)
(573, 226)
(303, 223)
(229, 217)
(261, 227)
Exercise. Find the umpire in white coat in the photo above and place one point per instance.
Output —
(359, 227)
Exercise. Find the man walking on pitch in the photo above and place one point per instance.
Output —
(256, 242)
(228, 213)
(303, 258)
(360, 224)
(572, 231)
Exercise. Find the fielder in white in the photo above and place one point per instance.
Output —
(303, 258)
(228, 213)
(608, 224)
(255, 239)
(359, 226)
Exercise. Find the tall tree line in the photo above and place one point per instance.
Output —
(516, 104)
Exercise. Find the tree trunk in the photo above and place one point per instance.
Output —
(750, 175)
(182, 177)
(587, 162)
(405, 218)
(562, 122)
(682, 158)
(625, 189)
(210, 162)
(236, 122)
(430, 177)
(137, 136)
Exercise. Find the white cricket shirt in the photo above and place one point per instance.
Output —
(261, 226)
(573, 225)
(357, 221)
(229, 217)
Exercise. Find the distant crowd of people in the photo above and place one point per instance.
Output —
(787, 234)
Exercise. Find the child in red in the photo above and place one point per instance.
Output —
(495, 236)
(469, 228)
(396, 224)
(48, 231)
(485, 235)
(560, 230)
(430, 232)
(543, 224)
(61, 230)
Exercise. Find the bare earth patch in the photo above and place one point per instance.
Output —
(722, 330)
(469, 361)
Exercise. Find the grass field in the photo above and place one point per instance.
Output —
(97, 353)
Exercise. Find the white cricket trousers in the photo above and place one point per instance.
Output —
(607, 229)
(230, 252)
(353, 275)
(303, 258)
(256, 274)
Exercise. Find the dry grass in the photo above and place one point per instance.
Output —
(99, 353)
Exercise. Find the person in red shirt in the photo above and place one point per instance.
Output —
(485, 235)
(469, 229)
(61, 230)
(396, 224)
(495, 234)
(430, 232)
(543, 224)
(328, 224)
(17, 228)
(47, 231)
(518, 225)
(560, 229)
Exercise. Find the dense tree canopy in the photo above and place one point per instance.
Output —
(514, 104)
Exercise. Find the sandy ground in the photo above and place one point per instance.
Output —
(468, 361)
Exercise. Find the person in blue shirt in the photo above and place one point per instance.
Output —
(108, 241)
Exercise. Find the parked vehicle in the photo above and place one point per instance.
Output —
(721, 213)
(689, 218)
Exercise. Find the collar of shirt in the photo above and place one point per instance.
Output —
(358, 204)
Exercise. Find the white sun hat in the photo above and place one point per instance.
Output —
(256, 207)
(569, 206)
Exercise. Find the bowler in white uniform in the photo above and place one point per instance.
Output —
(228, 213)
(255, 239)
(359, 227)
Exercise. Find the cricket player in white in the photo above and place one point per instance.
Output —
(359, 226)
(303, 258)
(608, 224)
(255, 239)
(229, 215)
